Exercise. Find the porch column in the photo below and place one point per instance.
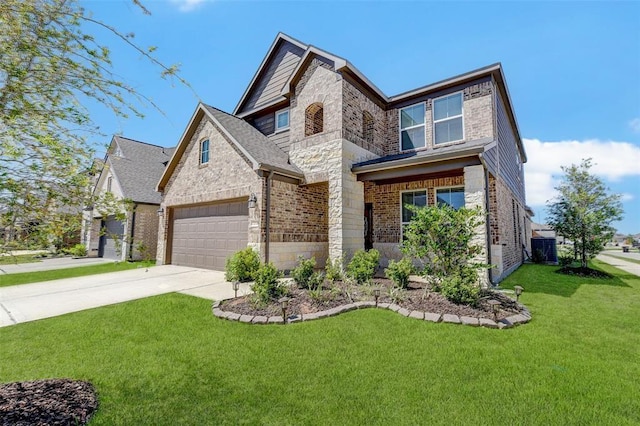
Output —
(475, 196)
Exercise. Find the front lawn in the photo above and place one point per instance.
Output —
(167, 360)
(80, 271)
(8, 259)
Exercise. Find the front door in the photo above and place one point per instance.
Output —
(368, 226)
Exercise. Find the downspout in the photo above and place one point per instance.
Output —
(268, 218)
(133, 225)
(488, 222)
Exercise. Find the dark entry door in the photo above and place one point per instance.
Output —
(368, 226)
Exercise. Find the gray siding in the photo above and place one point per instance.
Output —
(266, 124)
(509, 161)
(491, 159)
(274, 76)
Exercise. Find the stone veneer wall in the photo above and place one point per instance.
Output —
(298, 224)
(227, 176)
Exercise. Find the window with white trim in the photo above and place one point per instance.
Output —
(447, 119)
(412, 134)
(204, 151)
(453, 197)
(109, 183)
(411, 198)
(282, 120)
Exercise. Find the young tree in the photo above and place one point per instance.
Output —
(584, 210)
(50, 66)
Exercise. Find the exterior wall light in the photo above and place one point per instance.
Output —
(160, 211)
(252, 201)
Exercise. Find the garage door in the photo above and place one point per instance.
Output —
(204, 236)
(113, 230)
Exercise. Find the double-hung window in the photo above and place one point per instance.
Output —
(412, 135)
(204, 151)
(282, 120)
(447, 119)
(453, 197)
(411, 198)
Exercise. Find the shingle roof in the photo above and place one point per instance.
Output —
(260, 149)
(138, 168)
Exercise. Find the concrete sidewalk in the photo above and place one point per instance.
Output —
(29, 302)
(50, 264)
(630, 267)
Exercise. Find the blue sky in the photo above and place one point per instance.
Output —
(573, 68)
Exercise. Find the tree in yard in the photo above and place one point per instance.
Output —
(443, 240)
(584, 210)
(50, 67)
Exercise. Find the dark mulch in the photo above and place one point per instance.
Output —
(583, 272)
(47, 402)
(415, 298)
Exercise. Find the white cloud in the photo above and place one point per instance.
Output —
(187, 5)
(626, 197)
(635, 125)
(611, 160)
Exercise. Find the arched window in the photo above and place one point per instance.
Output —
(367, 126)
(313, 119)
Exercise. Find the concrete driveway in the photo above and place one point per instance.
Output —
(50, 264)
(29, 302)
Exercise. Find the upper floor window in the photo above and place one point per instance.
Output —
(282, 120)
(313, 119)
(204, 151)
(109, 183)
(453, 197)
(412, 133)
(447, 119)
(367, 126)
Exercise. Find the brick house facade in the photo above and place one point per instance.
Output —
(324, 162)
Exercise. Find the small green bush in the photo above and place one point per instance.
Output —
(315, 281)
(303, 272)
(79, 250)
(242, 265)
(399, 272)
(333, 270)
(267, 285)
(460, 288)
(537, 256)
(363, 265)
(565, 260)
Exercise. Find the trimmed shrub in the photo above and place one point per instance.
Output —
(565, 260)
(333, 270)
(79, 250)
(242, 265)
(267, 285)
(460, 288)
(363, 265)
(399, 272)
(303, 272)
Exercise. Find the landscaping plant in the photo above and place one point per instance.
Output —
(399, 272)
(267, 285)
(242, 265)
(302, 273)
(441, 239)
(79, 250)
(333, 270)
(363, 265)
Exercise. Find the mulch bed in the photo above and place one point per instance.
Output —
(583, 272)
(414, 299)
(47, 402)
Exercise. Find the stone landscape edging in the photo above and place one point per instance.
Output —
(510, 321)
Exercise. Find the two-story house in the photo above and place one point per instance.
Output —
(316, 161)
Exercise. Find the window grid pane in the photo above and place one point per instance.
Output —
(416, 198)
(204, 152)
(282, 120)
(453, 197)
(413, 138)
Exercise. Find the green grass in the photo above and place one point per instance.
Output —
(167, 360)
(56, 274)
(21, 258)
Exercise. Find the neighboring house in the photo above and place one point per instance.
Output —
(316, 161)
(542, 230)
(130, 171)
